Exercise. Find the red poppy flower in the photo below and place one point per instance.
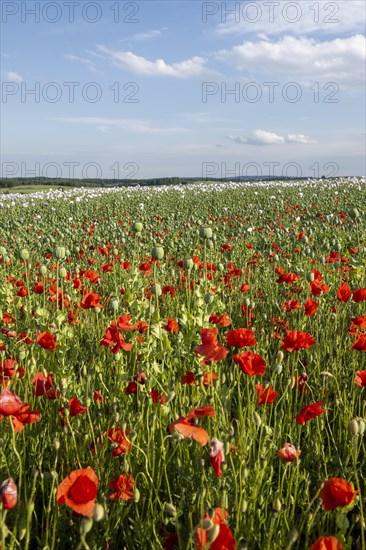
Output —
(360, 379)
(72, 317)
(222, 321)
(317, 287)
(210, 348)
(224, 539)
(240, 337)
(209, 378)
(288, 453)
(157, 397)
(310, 411)
(131, 388)
(8, 319)
(122, 487)
(171, 326)
(185, 427)
(8, 370)
(79, 491)
(24, 416)
(114, 339)
(142, 326)
(336, 492)
(359, 322)
(117, 435)
(310, 307)
(8, 493)
(47, 340)
(296, 339)
(38, 288)
(168, 290)
(97, 396)
(250, 363)
(266, 396)
(10, 403)
(287, 278)
(289, 305)
(91, 300)
(217, 455)
(359, 295)
(22, 292)
(75, 407)
(327, 543)
(123, 323)
(360, 343)
(188, 378)
(344, 293)
(43, 386)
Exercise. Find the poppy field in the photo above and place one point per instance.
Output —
(184, 367)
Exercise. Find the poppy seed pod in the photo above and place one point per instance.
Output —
(357, 426)
(59, 252)
(156, 290)
(205, 232)
(62, 272)
(137, 227)
(43, 270)
(23, 254)
(8, 493)
(188, 263)
(209, 298)
(354, 213)
(157, 253)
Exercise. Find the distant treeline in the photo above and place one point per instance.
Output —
(8, 183)
(61, 182)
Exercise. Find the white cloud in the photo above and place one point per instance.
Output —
(303, 59)
(299, 138)
(146, 35)
(12, 76)
(298, 18)
(140, 65)
(263, 137)
(134, 125)
(83, 60)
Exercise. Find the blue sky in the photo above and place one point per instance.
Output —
(183, 88)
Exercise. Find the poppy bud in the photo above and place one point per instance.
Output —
(277, 506)
(2, 251)
(8, 493)
(257, 419)
(157, 253)
(220, 267)
(280, 356)
(205, 232)
(244, 506)
(213, 533)
(98, 513)
(170, 509)
(170, 397)
(136, 495)
(294, 535)
(86, 525)
(56, 443)
(62, 272)
(207, 524)
(246, 302)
